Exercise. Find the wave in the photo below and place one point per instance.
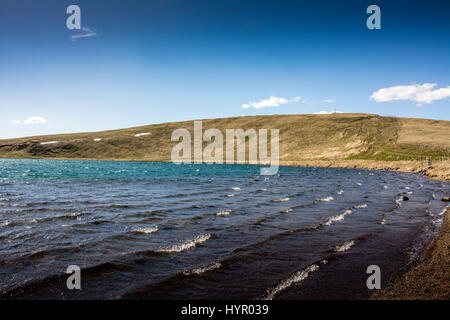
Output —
(341, 216)
(326, 199)
(338, 217)
(52, 251)
(443, 211)
(186, 245)
(146, 230)
(340, 192)
(287, 210)
(223, 213)
(5, 224)
(236, 188)
(50, 281)
(399, 201)
(281, 200)
(201, 270)
(295, 278)
(345, 246)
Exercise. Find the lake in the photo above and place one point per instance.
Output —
(143, 230)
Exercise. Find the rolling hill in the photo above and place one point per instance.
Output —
(355, 140)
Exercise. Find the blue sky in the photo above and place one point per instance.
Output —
(144, 62)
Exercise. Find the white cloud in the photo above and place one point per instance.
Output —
(31, 120)
(87, 34)
(329, 100)
(272, 101)
(35, 120)
(415, 92)
(328, 112)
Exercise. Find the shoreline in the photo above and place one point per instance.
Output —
(427, 278)
(438, 171)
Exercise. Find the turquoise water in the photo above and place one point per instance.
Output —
(70, 169)
(166, 231)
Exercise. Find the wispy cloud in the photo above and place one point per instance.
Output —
(420, 93)
(328, 112)
(87, 34)
(272, 101)
(329, 100)
(31, 120)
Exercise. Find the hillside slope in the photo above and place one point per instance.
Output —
(318, 138)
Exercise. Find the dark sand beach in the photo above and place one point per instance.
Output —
(428, 278)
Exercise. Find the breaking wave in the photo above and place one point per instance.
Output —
(345, 246)
(202, 270)
(146, 230)
(295, 278)
(186, 245)
(282, 200)
(223, 213)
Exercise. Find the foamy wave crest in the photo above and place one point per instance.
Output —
(223, 213)
(201, 270)
(443, 211)
(4, 224)
(359, 184)
(230, 195)
(326, 199)
(146, 230)
(341, 216)
(338, 217)
(186, 245)
(281, 200)
(399, 201)
(286, 210)
(236, 188)
(295, 278)
(340, 192)
(383, 219)
(345, 246)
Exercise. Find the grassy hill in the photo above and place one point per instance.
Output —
(333, 138)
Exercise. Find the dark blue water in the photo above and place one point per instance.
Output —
(166, 231)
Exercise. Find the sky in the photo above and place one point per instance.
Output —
(142, 62)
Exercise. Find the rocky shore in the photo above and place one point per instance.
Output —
(439, 170)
